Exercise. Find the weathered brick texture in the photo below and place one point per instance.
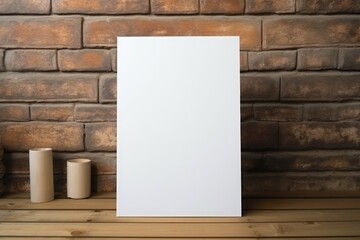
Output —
(43, 87)
(14, 112)
(52, 112)
(107, 88)
(320, 87)
(327, 6)
(317, 58)
(90, 60)
(259, 135)
(270, 6)
(174, 7)
(101, 31)
(290, 32)
(222, 6)
(272, 60)
(100, 136)
(349, 58)
(95, 113)
(24, 7)
(2, 60)
(277, 112)
(100, 6)
(40, 32)
(59, 136)
(30, 60)
(259, 88)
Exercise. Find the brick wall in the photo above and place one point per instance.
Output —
(300, 84)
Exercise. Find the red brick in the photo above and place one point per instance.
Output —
(95, 113)
(14, 112)
(100, 137)
(244, 62)
(270, 6)
(84, 60)
(290, 32)
(315, 160)
(283, 183)
(2, 60)
(222, 6)
(317, 58)
(113, 54)
(320, 87)
(325, 135)
(107, 88)
(247, 112)
(40, 32)
(30, 60)
(257, 87)
(174, 7)
(272, 60)
(327, 6)
(332, 112)
(59, 136)
(46, 87)
(99, 31)
(278, 112)
(52, 112)
(259, 135)
(24, 7)
(100, 6)
(349, 58)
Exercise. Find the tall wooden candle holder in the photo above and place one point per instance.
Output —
(41, 175)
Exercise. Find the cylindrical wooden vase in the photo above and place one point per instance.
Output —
(78, 178)
(41, 175)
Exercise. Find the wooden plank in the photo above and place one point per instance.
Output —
(303, 229)
(109, 216)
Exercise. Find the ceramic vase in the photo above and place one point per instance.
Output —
(78, 178)
(41, 175)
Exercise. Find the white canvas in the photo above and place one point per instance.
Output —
(178, 126)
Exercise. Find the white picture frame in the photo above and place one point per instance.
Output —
(178, 127)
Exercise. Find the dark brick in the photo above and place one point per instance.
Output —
(95, 113)
(259, 135)
(250, 160)
(324, 135)
(40, 32)
(332, 112)
(293, 32)
(222, 6)
(101, 7)
(270, 6)
(59, 136)
(247, 112)
(317, 58)
(89, 60)
(174, 7)
(14, 112)
(320, 87)
(107, 88)
(277, 112)
(304, 161)
(105, 183)
(100, 31)
(244, 62)
(100, 136)
(2, 68)
(52, 112)
(30, 87)
(349, 58)
(327, 6)
(268, 184)
(272, 60)
(31, 60)
(259, 88)
(24, 7)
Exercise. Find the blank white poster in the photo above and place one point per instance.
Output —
(178, 126)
